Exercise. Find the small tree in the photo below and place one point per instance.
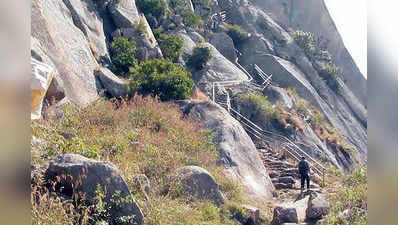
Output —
(157, 8)
(123, 54)
(171, 45)
(162, 78)
(330, 73)
(191, 19)
(200, 56)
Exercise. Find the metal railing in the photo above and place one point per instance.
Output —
(294, 151)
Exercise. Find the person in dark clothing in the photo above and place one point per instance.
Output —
(304, 170)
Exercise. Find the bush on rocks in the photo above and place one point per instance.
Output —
(162, 78)
(200, 56)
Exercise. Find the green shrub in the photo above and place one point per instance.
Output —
(157, 8)
(200, 56)
(162, 78)
(330, 74)
(260, 103)
(306, 40)
(237, 33)
(123, 54)
(191, 19)
(178, 5)
(201, 3)
(171, 46)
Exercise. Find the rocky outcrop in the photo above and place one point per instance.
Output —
(124, 13)
(199, 183)
(75, 174)
(318, 207)
(271, 46)
(313, 16)
(237, 152)
(114, 85)
(218, 68)
(67, 47)
(224, 44)
(284, 215)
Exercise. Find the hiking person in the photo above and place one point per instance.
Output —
(304, 170)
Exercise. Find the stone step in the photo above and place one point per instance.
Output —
(284, 180)
(279, 186)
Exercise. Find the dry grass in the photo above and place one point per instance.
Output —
(297, 122)
(199, 95)
(140, 136)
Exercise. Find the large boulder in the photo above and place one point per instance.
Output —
(75, 174)
(284, 215)
(114, 85)
(218, 68)
(224, 45)
(198, 182)
(318, 207)
(237, 153)
(124, 13)
(63, 42)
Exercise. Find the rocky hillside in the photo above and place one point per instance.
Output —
(244, 88)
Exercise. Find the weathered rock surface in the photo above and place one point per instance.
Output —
(313, 16)
(79, 174)
(67, 47)
(124, 13)
(271, 46)
(236, 150)
(114, 85)
(284, 215)
(224, 44)
(198, 182)
(318, 207)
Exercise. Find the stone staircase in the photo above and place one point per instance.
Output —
(283, 174)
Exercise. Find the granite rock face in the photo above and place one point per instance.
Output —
(53, 24)
(237, 153)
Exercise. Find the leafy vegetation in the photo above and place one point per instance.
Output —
(200, 56)
(123, 54)
(322, 128)
(191, 19)
(330, 74)
(314, 51)
(263, 110)
(171, 46)
(238, 34)
(349, 199)
(162, 78)
(201, 3)
(157, 8)
(306, 40)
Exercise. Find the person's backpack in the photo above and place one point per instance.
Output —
(303, 167)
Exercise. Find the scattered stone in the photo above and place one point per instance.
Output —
(318, 207)
(115, 86)
(199, 183)
(67, 135)
(284, 215)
